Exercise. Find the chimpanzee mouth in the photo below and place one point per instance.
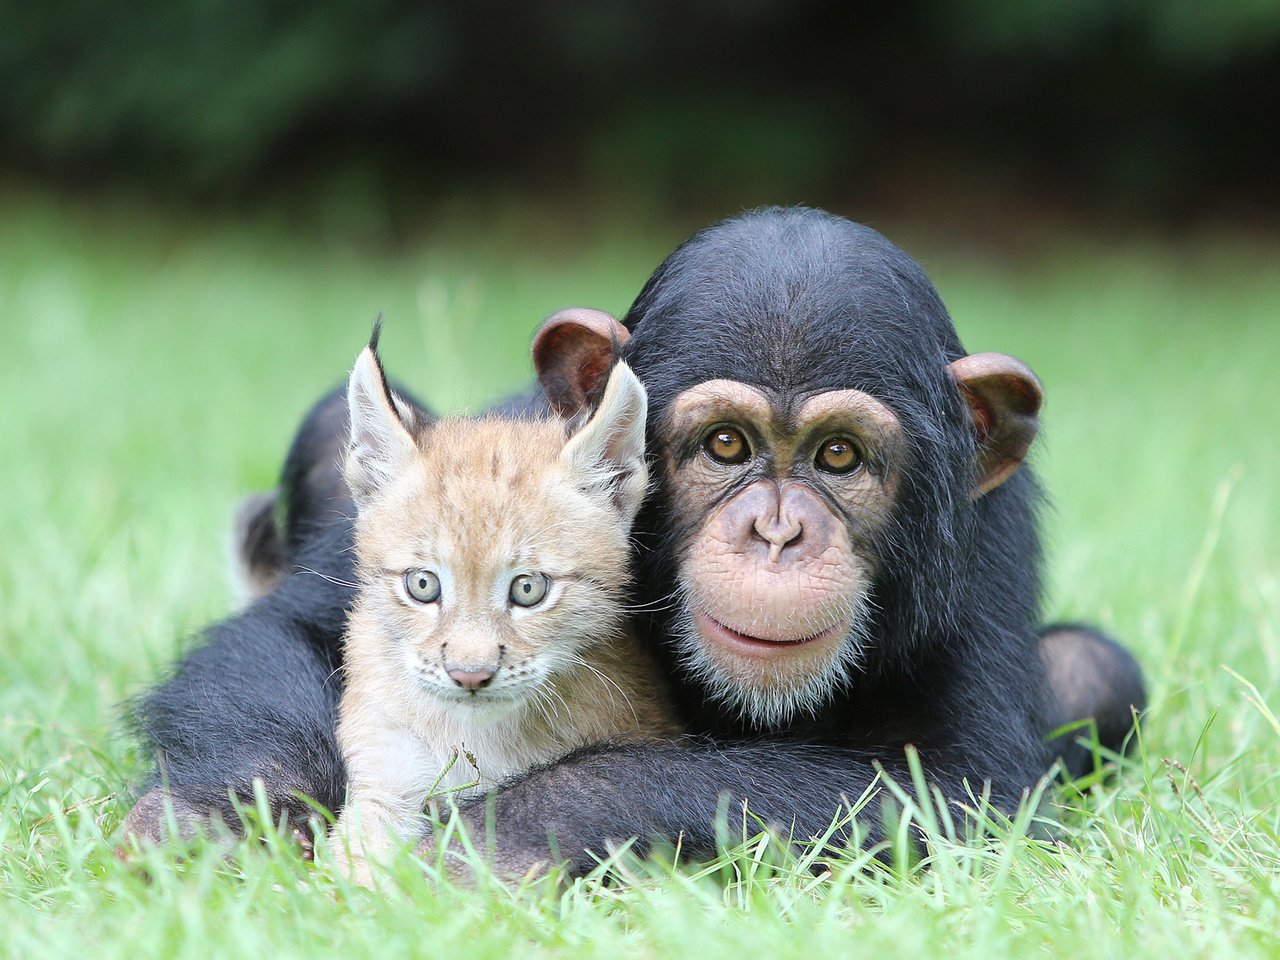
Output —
(744, 643)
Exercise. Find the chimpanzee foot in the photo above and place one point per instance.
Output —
(157, 815)
(1091, 678)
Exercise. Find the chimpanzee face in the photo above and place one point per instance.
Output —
(781, 507)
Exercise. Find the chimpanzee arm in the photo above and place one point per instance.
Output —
(257, 699)
(679, 792)
(970, 713)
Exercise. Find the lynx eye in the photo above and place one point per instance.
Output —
(422, 585)
(838, 455)
(727, 445)
(529, 589)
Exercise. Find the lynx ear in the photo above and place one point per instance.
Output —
(381, 423)
(608, 451)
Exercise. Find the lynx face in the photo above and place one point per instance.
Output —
(487, 635)
(491, 553)
(487, 566)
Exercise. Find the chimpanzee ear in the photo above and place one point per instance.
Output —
(607, 452)
(381, 438)
(572, 352)
(1004, 399)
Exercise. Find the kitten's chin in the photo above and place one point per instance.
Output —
(481, 707)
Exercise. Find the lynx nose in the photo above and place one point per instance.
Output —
(471, 679)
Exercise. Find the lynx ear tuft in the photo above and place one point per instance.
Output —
(381, 437)
(608, 450)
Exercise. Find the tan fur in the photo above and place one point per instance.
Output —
(479, 502)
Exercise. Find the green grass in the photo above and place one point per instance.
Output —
(156, 363)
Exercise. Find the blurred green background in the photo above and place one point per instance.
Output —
(204, 203)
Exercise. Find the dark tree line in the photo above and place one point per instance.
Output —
(1156, 100)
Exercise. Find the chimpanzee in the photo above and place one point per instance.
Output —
(839, 559)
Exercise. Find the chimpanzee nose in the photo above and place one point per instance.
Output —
(471, 679)
(777, 530)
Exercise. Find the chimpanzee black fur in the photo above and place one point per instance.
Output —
(797, 301)
(258, 696)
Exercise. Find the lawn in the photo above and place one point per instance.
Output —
(156, 362)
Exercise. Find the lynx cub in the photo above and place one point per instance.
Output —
(488, 633)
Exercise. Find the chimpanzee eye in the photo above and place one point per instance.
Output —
(528, 589)
(727, 445)
(838, 455)
(422, 585)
